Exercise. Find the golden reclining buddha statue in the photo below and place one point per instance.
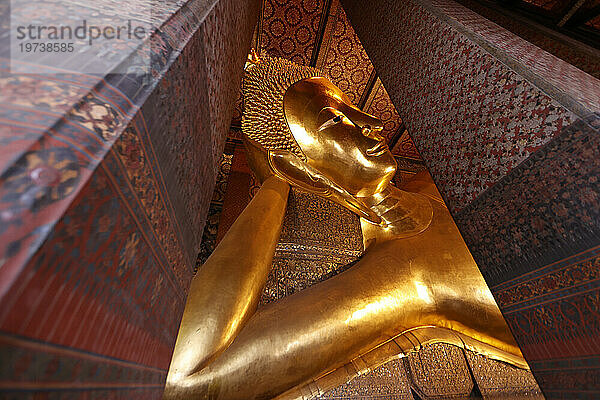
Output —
(415, 284)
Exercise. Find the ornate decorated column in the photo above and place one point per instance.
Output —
(511, 136)
(104, 189)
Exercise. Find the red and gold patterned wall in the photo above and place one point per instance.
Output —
(104, 188)
(510, 134)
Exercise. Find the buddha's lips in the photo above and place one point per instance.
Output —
(378, 149)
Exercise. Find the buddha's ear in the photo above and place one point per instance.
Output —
(297, 172)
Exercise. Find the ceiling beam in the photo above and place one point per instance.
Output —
(397, 135)
(528, 14)
(259, 26)
(571, 10)
(582, 18)
(368, 89)
(320, 33)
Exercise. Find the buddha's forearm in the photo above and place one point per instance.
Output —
(226, 290)
(426, 280)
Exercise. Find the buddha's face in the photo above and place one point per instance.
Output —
(339, 140)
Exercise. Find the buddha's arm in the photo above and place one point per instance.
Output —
(226, 290)
(426, 280)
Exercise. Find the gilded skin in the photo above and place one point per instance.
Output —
(416, 274)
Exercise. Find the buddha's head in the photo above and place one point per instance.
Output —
(313, 135)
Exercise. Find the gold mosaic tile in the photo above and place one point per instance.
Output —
(318, 240)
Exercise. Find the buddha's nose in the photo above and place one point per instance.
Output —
(362, 119)
(369, 132)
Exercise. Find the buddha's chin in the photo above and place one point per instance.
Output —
(361, 180)
(373, 189)
(374, 186)
(377, 184)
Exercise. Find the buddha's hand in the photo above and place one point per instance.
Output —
(292, 169)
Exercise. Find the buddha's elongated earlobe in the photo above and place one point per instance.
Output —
(258, 159)
(298, 173)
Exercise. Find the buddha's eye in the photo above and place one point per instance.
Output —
(332, 121)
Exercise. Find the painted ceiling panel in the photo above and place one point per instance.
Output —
(380, 105)
(289, 28)
(405, 147)
(590, 4)
(346, 61)
(549, 5)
